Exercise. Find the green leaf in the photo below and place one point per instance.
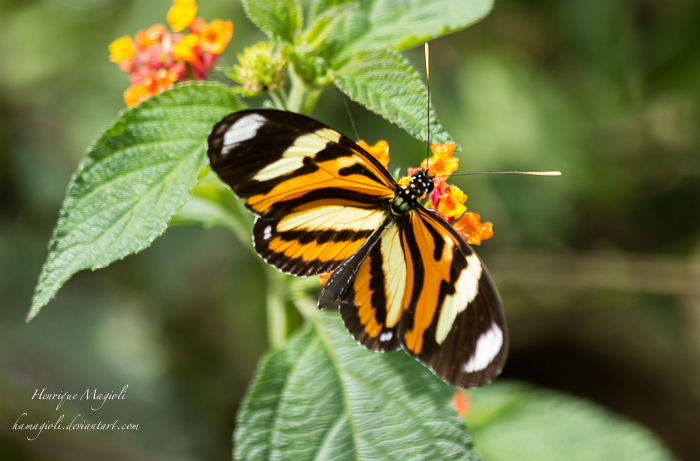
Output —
(401, 24)
(323, 397)
(513, 421)
(280, 19)
(385, 82)
(325, 24)
(131, 182)
(213, 204)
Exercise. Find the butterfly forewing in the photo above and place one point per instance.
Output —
(277, 160)
(454, 322)
(319, 195)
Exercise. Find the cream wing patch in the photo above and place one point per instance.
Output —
(394, 267)
(336, 217)
(292, 159)
(465, 291)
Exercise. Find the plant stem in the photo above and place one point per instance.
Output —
(302, 97)
(278, 99)
(275, 306)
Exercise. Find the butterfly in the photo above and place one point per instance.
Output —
(404, 277)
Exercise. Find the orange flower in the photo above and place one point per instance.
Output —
(380, 151)
(122, 51)
(324, 277)
(442, 162)
(471, 228)
(164, 79)
(215, 36)
(184, 49)
(136, 94)
(181, 14)
(461, 402)
(151, 36)
(451, 204)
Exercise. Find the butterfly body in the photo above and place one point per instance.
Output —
(404, 277)
(407, 197)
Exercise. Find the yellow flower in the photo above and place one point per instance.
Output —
(181, 14)
(441, 163)
(121, 49)
(404, 181)
(451, 204)
(215, 36)
(380, 151)
(471, 228)
(184, 49)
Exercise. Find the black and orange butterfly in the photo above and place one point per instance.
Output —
(404, 277)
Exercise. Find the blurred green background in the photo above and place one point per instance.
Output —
(599, 269)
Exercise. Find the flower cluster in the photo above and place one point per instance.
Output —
(157, 57)
(445, 199)
(260, 69)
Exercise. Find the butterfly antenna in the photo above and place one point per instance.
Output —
(530, 173)
(347, 108)
(427, 79)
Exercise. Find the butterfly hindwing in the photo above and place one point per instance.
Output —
(317, 194)
(454, 322)
(315, 237)
(371, 307)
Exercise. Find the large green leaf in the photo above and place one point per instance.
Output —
(131, 182)
(323, 397)
(317, 33)
(277, 18)
(385, 82)
(401, 24)
(511, 421)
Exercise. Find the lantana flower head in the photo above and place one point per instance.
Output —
(448, 200)
(158, 58)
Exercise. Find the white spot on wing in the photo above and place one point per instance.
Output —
(466, 289)
(487, 348)
(386, 336)
(243, 130)
(267, 233)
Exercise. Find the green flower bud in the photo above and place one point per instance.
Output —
(260, 69)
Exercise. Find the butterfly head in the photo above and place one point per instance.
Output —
(421, 183)
(408, 196)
